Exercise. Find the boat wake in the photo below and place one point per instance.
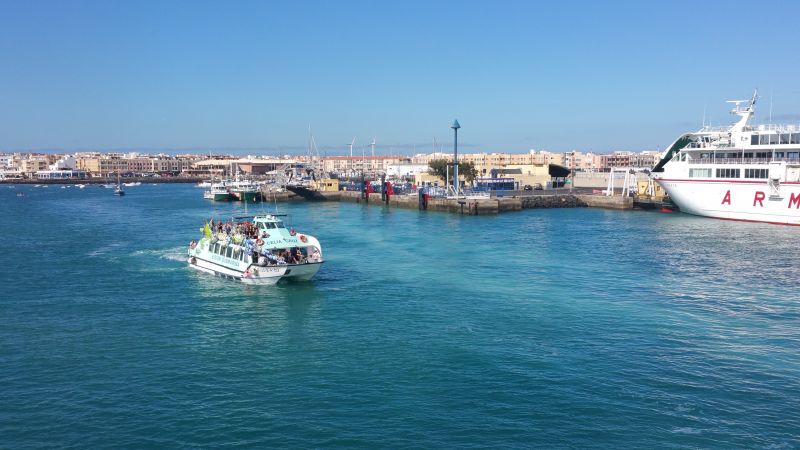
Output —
(104, 250)
(170, 254)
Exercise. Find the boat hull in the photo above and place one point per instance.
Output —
(261, 275)
(735, 200)
(246, 196)
(302, 272)
(217, 196)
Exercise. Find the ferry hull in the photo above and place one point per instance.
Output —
(261, 275)
(746, 201)
(302, 272)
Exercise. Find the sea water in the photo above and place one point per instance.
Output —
(542, 328)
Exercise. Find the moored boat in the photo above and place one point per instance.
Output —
(256, 250)
(246, 194)
(737, 172)
(217, 193)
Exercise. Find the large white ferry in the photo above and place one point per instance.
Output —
(258, 250)
(737, 172)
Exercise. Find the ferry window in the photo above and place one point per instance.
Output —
(762, 155)
(748, 155)
(779, 154)
(229, 252)
(763, 139)
(754, 139)
(699, 173)
(784, 138)
(792, 155)
(728, 173)
(795, 138)
(279, 225)
(755, 173)
(773, 139)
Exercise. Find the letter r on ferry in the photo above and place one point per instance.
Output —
(794, 201)
(759, 198)
(727, 198)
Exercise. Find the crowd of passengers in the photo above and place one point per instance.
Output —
(246, 235)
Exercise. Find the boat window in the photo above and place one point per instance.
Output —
(792, 155)
(785, 138)
(229, 252)
(279, 224)
(795, 138)
(748, 155)
(779, 154)
(755, 173)
(754, 139)
(728, 173)
(763, 155)
(700, 173)
(773, 139)
(764, 139)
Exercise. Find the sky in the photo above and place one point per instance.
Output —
(253, 77)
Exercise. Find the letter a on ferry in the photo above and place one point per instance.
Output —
(727, 198)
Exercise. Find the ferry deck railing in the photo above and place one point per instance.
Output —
(763, 161)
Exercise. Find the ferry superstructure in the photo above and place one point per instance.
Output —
(257, 250)
(737, 172)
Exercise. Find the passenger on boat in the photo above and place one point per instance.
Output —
(298, 256)
(314, 255)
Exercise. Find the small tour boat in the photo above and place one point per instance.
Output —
(256, 250)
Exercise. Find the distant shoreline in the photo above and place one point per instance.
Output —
(155, 180)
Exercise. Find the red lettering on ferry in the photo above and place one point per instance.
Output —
(759, 198)
(794, 199)
(727, 198)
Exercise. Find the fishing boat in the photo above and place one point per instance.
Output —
(256, 250)
(249, 194)
(737, 172)
(217, 193)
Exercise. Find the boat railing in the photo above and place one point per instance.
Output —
(762, 161)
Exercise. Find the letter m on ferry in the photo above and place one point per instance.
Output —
(794, 200)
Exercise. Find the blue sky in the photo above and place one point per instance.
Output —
(252, 76)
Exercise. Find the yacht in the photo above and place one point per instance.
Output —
(737, 172)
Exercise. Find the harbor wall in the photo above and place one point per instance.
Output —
(468, 206)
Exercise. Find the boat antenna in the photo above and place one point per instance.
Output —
(704, 115)
(770, 105)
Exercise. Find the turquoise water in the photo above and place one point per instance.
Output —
(545, 328)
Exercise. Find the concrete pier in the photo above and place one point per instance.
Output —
(468, 206)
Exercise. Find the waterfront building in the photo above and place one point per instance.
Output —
(60, 174)
(356, 165)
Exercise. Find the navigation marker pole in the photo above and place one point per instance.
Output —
(455, 128)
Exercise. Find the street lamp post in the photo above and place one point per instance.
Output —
(455, 128)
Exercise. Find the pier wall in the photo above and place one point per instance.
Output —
(484, 206)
